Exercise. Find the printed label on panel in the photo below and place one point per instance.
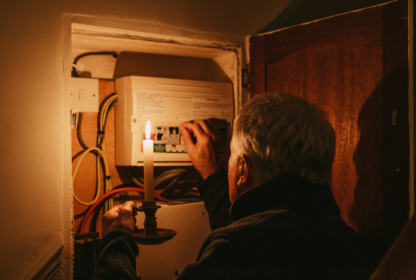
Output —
(149, 104)
(212, 107)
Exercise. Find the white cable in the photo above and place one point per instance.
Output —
(168, 174)
(161, 180)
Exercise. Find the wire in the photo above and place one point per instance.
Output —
(168, 187)
(136, 174)
(98, 175)
(80, 140)
(107, 195)
(105, 107)
(74, 70)
(192, 192)
(168, 174)
(160, 179)
(134, 179)
(124, 185)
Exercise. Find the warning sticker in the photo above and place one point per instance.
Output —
(159, 148)
(151, 104)
(215, 107)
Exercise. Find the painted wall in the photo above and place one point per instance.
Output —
(35, 161)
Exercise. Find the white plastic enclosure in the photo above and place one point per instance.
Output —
(166, 103)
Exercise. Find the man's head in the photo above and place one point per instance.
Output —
(275, 134)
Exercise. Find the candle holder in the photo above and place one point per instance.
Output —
(150, 234)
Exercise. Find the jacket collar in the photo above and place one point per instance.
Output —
(285, 192)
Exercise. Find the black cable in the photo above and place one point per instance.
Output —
(105, 119)
(79, 133)
(80, 140)
(74, 70)
(136, 174)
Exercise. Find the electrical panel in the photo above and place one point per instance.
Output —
(166, 103)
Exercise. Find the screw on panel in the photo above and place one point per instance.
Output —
(176, 272)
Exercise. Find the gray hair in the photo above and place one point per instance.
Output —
(283, 134)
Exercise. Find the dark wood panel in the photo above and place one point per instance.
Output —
(353, 66)
(361, 28)
(345, 82)
(257, 66)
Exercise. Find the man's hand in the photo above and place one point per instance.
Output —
(120, 218)
(204, 152)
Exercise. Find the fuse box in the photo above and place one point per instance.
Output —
(166, 103)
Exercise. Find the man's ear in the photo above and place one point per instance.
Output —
(245, 172)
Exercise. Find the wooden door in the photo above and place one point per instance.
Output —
(355, 67)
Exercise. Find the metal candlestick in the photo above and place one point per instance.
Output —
(150, 234)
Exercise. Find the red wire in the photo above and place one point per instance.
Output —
(84, 222)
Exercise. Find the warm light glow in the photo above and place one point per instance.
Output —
(148, 130)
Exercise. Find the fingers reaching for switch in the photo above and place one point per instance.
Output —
(202, 146)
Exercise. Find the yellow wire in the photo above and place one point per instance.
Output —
(98, 174)
(102, 118)
(103, 154)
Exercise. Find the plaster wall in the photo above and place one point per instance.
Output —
(35, 160)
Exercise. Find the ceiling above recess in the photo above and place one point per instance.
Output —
(240, 18)
(237, 18)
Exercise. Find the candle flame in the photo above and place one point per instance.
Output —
(148, 130)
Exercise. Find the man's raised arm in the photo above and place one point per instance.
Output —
(202, 146)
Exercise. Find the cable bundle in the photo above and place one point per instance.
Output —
(101, 161)
(100, 150)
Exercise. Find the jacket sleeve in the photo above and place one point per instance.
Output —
(214, 192)
(221, 259)
(117, 257)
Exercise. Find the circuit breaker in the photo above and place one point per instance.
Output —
(166, 103)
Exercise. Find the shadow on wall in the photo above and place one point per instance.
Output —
(381, 198)
(368, 158)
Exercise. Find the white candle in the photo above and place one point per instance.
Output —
(148, 166)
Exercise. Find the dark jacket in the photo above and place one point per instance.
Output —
(286, 228)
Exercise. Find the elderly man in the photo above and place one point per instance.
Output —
(283, 222)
